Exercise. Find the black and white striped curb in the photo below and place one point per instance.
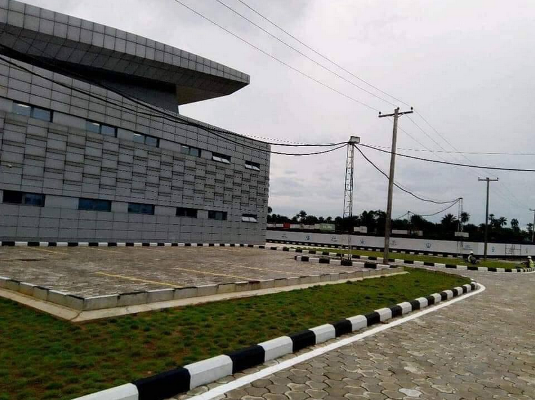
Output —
(125, 244)
(367, 248)
(345, 262)
(168, 384)
(259, 246)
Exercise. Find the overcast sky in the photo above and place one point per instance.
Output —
(467, 67)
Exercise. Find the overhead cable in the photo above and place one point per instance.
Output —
(399, 186)
(448, 163)
(180, 120)
(275, 58)
(303, 54)
(320, 54)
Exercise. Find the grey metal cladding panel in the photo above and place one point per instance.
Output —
(102, 37)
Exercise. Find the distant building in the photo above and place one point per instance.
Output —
(93, 148)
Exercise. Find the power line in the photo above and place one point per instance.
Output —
(303, 54)
(399, 186)
(499, 190)
(488, 153)
(182, 121)
(319, 54)
(438, 212)
(449, 163)
(275, 58)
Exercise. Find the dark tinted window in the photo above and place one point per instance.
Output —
(139, 138)
(94, 205)
(22, 109)
(29, 199)
(13, 197)
(135, 208)
(41, 113)
(195, 152)
(108, 130)
(221, 158)
(252, 165)
(34, 199)
(151, 141)
(35, 112)
(186, 212)
(249, 218)
(217, 215)
(92, 126)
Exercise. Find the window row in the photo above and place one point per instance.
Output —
(108, 130)
(32, 111)
(36, 199)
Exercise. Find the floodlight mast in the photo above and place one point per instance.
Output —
(348, 188)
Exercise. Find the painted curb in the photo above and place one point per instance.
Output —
(327, 260)
(380, 249)
(171, 383)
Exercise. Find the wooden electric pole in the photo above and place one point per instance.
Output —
(488, 180)
(396, 116)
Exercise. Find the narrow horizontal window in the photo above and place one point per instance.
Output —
(148, 140)
(32, 111)
(151, 141)
(136, 208)
(103, 129)
(92, 126)
(94, 205)
(249, 218)
(217, 215)
(22, 109)
(139, 138)
(252, 165)
(108, 130)
(221, 158)
(186, 212)
(28, 199)
(42, 114)
(191, 151)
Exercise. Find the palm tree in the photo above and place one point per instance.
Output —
(465, 217)
(502, 221)
(515, 224)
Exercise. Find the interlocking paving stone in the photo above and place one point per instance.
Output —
(480, 348)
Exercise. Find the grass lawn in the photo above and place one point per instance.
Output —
(45, 358)
(415, 257)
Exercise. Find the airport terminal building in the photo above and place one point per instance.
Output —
(93, 148)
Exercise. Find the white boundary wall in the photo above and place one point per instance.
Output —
(423, 245)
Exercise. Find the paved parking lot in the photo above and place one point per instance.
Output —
(91, 271)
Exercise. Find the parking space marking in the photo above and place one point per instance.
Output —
(213, 273)
(131, 278)
(40, 249)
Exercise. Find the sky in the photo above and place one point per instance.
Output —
(467, 68)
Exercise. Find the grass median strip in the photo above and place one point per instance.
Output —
(45, 358)
(433, 259)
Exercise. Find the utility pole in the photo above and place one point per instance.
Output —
(348, 188)
(488, 180)
(396, 116)
(533, 228)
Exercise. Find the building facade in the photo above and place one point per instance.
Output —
(93, 148)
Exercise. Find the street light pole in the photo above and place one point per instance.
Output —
(488, 180)
(533, 227)
(388, 221)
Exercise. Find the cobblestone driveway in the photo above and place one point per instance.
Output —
(479, 348)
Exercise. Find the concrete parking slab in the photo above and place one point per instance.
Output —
(94, 271)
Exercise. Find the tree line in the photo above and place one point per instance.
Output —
(500, 229)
